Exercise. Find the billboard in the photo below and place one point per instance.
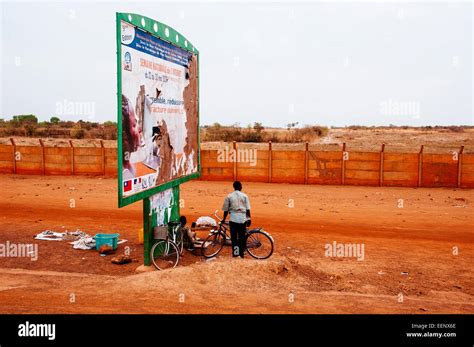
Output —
(158, 108)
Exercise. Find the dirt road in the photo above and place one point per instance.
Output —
(418, 251)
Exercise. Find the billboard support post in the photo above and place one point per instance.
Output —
(147, 232)
(150, 220)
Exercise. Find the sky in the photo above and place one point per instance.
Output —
(326, 63)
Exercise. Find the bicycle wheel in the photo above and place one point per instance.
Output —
(213, 245)
(259, 244)
(165, 255)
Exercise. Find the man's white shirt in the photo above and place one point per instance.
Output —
(237, 203)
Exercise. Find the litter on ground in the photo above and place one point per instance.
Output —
(79, 239)
(205, 221)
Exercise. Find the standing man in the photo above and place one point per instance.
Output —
(238, 205)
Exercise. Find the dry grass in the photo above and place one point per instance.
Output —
(257, 133)
(396, 139)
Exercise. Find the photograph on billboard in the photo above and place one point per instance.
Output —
(159, 135)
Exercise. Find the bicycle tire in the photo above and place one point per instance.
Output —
(254, 240)
(217, 239)
(164, 255)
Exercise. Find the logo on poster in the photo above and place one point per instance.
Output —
(128, 61)
(128, 33)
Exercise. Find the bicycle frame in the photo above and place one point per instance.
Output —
(253, 240)
(225, 228)
(175, 229)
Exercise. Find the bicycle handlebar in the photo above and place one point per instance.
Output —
(220, 219)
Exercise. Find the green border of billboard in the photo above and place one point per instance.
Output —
(170, 35)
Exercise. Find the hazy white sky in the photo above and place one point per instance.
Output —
(273, 62)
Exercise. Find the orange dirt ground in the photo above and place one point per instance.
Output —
(418, 239)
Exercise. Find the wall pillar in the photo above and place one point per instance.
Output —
(72, 157)
(269, 161)
(420, 166)
(460, 155)
(343, 164)
(381, 164)
(13, 154)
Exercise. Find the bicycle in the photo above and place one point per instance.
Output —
(166, 252)
(258, 243)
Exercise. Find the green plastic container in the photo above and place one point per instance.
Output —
(106, 239)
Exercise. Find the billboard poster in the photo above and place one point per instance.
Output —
(158, 110)
(163, 207)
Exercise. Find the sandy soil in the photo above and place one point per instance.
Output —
(299, 278)
(395, 140)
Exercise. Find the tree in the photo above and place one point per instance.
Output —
(258, 127)
(55, 120)
(25, 119)
(292, 125)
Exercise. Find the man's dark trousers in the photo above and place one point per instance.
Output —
(237, 236)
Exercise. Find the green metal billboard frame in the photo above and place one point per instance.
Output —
(170, 35)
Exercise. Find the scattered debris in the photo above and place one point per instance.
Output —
(460, 200)
(205, 221)
(75, 235)
(121, 259)
(106, 249)
(49, 235)
(79, 239)
(84, 243)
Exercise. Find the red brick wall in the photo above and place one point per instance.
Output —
(277, 166)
